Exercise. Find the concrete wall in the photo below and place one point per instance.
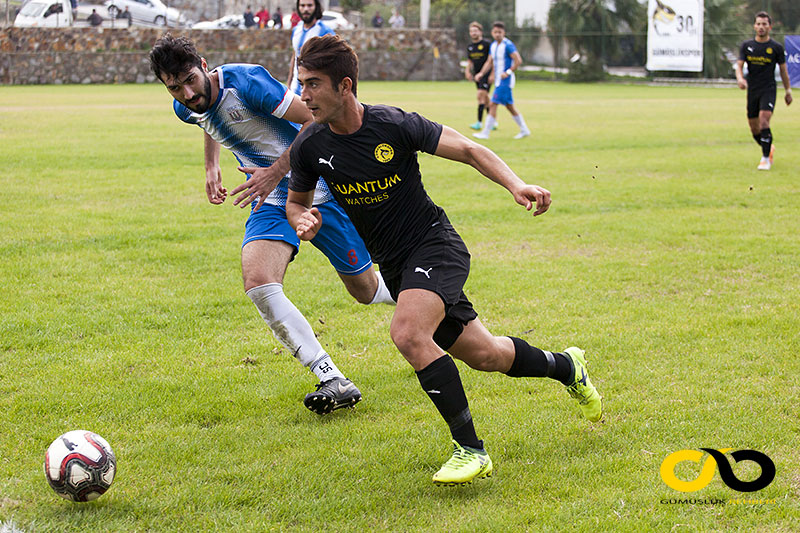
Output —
(96, 55)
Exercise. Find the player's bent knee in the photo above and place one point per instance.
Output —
(408, 340)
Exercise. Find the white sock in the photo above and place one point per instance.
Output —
(292, 329)
(382, 295)
(520, 122)
(490, 122)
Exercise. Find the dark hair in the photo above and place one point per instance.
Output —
(173, 56)
(332, 56)
(317, 9)
(763, 15)
(498, 24)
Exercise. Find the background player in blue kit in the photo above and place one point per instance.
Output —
(256, 117)
(761, 55)
(503, 60)
(310, 12)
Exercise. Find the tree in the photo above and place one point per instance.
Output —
(592, 29)
(721, 35)
(785, 13)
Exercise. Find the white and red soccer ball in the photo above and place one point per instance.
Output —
(80, 465)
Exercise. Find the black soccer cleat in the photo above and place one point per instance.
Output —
(331, 395)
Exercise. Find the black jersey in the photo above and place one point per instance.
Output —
(761, 59)
(478, 53)
(374, 175)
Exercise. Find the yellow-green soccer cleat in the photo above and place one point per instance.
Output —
(582, 389)
(465, 465)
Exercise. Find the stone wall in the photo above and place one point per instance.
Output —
(97, 55)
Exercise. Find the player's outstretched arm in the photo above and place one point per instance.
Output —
(305, 219)
(215, 192)
(453, 145)
(263, 180)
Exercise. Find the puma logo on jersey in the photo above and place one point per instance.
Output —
(426, 272)
(328, 162)
(749, 48)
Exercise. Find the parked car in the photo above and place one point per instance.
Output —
(146, 11)
(44, 14)
(226, 22)
(332, 19)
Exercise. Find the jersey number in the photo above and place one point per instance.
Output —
(352, 257)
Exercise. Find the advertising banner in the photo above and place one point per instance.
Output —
(792, 46)
(675, 35)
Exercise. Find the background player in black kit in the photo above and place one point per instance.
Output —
(368, 156)
(761, 55)
(477, 52)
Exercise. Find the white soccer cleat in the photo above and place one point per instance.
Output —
(481, 135)
(522, 134)
(764, 164)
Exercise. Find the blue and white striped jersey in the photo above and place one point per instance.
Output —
(299, 37)
(247, 119)
(501, 55)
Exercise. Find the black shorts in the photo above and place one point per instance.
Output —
(763, 100)
(440, 264)
(483, 85)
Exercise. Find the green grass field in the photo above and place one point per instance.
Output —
(666, 255)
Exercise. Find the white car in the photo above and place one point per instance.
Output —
(45, 14)
(226, 22)
(332, 19)
(336, 21)
(146, 11)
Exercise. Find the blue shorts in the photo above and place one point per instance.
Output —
(502, 95)
(337, 239)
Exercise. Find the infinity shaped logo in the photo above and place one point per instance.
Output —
(717, 457)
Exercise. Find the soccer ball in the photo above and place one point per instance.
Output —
(80, 465)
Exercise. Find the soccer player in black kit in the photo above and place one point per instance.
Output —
(368, 156)
(761, 55)
(477, 52)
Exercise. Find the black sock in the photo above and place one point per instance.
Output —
(481, 108)
(530, 361)
(766, 141)
(757, 138)
(440, 380)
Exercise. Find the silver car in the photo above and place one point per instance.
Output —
(146, 11)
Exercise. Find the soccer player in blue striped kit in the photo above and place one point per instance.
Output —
(504, 59)
(243, 108)
(310, 12)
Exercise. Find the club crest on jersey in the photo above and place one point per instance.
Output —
(236, 114)
(384, 153)
(769, 50)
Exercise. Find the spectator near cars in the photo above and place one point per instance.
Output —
(249, 19)
(277, 19)
(396, 20)
(95, 19)
(263, 17)
(126, 15)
